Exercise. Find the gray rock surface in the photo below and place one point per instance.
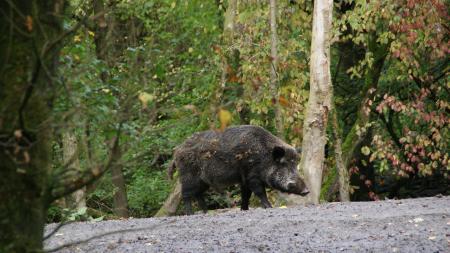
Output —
(410, 225)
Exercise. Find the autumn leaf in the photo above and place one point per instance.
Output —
(283, 101)
(29, 23)
(145, 98)
(217, 49)
(224, 118)
(233, 79)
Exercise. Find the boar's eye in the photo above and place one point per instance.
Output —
(278, 153)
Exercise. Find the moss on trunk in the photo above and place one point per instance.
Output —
(28, 59)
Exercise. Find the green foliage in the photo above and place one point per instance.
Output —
(407, 105)
(160, 81)
(147, 191)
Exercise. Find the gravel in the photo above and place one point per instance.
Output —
(409, 225)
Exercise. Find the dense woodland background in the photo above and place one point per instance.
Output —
(110, 87)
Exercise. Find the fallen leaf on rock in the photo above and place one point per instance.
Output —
(417, 220)
(432, 238)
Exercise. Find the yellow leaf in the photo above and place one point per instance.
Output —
(365, 150)
(283, 206)
(145, 98)
(173, 5)
(91, 33)
(224, 118)
(190, 50)
(76, 38)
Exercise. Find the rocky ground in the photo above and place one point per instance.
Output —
(410, 225)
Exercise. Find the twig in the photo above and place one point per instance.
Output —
(106, 234)
(88, 178)
(72, 30)
(60, 225)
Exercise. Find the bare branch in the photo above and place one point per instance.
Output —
(50, 46)
(60, 225)
(106, 234)
(88, 177)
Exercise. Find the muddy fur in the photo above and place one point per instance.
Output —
(245, 155)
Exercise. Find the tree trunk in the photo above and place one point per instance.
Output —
(171, 204)
(28, 60)
(319, 103)
(353, 139)
(106, 52)
(343, 177)
(120, 201)
(229, 21)
(370, 83)
(274, 67)
(71, 159)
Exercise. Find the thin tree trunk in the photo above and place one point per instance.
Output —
(29, 54)
(344, 187)
(105, 52)
(120, 201)
(319, 103)
(228, 35)
(229, 21)
(171, 204)
(71, 158)
(274, 66)
(353, 139)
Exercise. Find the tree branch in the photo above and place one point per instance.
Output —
(106, 234)
(89, 176)
(390, 128)
(50, 46)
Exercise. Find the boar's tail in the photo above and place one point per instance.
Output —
(171, 169)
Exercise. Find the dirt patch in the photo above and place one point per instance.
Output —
(412, 225)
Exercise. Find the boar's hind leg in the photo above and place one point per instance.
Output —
(201, 203)
(258, 188)
(245, 196)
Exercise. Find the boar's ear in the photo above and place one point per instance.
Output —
(278, 153)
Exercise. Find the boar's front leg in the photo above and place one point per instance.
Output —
(188, 205)
(193, 188)
(258, 188)
(201, 202)
(245, 196)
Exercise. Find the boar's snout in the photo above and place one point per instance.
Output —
(298, 187)
(305, 192)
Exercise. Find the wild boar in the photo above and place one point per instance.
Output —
(246, 155)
